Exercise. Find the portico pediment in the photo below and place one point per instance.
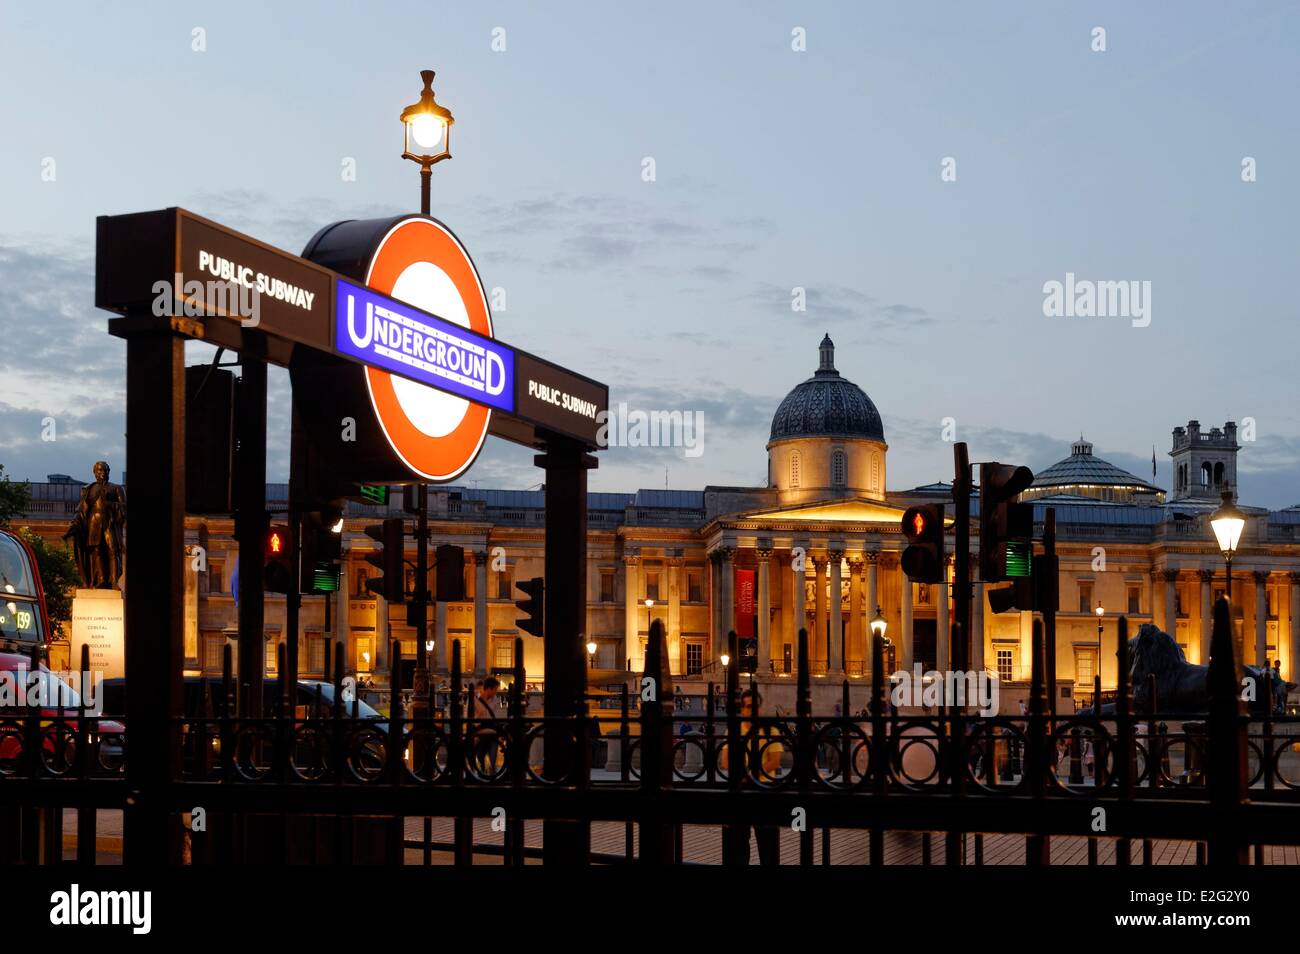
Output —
(850, 510)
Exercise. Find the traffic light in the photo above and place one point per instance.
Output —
(321, 549)
(747, 651)
(1006, 527)
(277, 573)
(923, 528)
(450, 573)
(388, 559)
(534, 606)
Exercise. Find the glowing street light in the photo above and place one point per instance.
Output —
(427, 135)
(1227, 522)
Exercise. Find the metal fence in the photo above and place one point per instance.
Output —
(320, 782)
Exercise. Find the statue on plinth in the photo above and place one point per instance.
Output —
(96, 531)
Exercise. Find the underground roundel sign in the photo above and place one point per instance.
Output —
(435, 433)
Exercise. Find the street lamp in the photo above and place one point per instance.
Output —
(1228, 522)
(878, 626)
(591, 652)
(1100, 613)
(426, 126)
(649, 605)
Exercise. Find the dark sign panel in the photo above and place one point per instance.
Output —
(231, 275)
(386, 333)
(172, 262)
(559, 400)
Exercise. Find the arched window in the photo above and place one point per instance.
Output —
(1218, 474)
(794, 469)
(1206, 474)
(839, 475)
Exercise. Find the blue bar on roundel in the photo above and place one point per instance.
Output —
(391, 335)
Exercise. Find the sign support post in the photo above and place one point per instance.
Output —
(566, 463)
(155, 625)
(250, 519)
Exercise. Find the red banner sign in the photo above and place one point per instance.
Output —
(745, 603)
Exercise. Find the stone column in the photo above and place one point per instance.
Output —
(676, 657)
(728, 567)
(764, 609)
(1261, 618)
(835, 645)
(856, 644)
(1207, 616)
(817, 643)
(798, 604)
(1294, 605)
(905, 658)
(481, 661)
(943, 641)
(1026, 661)
(631, 589)
(1170, 578)
(873, 587)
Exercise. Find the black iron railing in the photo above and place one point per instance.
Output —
(322, 782)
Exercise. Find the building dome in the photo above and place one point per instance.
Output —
(827, 405)
(1084, 475)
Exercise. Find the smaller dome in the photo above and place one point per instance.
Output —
(827, 405)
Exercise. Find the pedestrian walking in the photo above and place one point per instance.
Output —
(761, 758)
(483, 732)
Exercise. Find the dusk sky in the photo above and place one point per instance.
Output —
(775, 169)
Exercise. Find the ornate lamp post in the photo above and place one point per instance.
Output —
(878, 625)
(591, 652)
(1100, 611)
(427, 135)
(1228, 522)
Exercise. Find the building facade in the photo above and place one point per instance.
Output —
(818, 548)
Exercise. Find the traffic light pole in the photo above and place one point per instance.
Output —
(293, 599)
(421, 686)
(1048, 590)
(961, 584)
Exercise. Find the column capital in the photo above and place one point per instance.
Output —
(1295, 577)
(631, 559)
(856, 563)
(722, 554)
(677, 560)
(480, 557)
(871, 556)
(1207, 576)
(1261, 577)
(835, 555)
(764, 553)
(889, 559)
(1169, 576)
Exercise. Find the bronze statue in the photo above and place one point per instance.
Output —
(1183, 687)
(96, 531)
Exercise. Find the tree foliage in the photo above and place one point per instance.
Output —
(59, 575)
(14, 498)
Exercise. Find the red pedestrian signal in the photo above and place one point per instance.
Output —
(923, 528)
(277, 571)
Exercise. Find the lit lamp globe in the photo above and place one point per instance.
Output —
(725, 660)
(427, 127)
(878, 624)
(1228, 522)
(591, 647)
(1100, 611)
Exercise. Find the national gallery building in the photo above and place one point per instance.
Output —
(817, 548)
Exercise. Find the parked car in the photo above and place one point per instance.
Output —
(31, 685)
